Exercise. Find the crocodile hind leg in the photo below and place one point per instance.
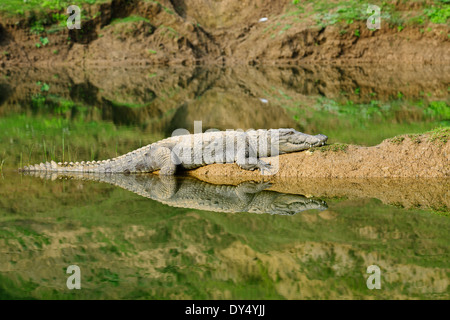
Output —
(163, 187)
(163, 158)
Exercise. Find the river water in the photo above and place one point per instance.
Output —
(147, 238)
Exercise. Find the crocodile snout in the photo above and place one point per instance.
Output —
(322, 139)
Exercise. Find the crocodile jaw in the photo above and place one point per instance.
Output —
(291, 140)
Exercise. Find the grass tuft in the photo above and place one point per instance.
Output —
(441, 135)
(335, 147)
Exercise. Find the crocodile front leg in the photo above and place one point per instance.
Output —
(255, 163)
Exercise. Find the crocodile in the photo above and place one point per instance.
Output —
(188, 192)
(191, 151)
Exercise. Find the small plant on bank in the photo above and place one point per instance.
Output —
(335, 147)
(397, 140)
(441, 135)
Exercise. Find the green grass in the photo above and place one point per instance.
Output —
(44, 138)
(20, 7)
(129, 19)
(348, 12)
(397, 140)
(438, 15)
(440, 135)
(335, 147)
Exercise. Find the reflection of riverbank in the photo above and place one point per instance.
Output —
(163, 99)
(185, 192)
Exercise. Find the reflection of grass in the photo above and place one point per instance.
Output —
(440, 109)
(368, 123)
(129, 105)
(362, 123)
(44, 138)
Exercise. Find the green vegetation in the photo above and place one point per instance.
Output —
(335, 147)
(43, 138)
(169, 31)
(364, 123)
(438, 14)
(43, 42)
(397, 140)
(437, 135)
(20, 6)
(129, 19)
(441, 108)
(327, 13)
(440, 135)
(416, 138)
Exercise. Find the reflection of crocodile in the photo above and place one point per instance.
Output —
(196, 150)
(192, 193)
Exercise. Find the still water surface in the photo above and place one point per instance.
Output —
(140, 237)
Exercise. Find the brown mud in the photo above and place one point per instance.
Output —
(226, 32)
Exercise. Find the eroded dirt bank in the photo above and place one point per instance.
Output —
(226, 32)
(407, 156)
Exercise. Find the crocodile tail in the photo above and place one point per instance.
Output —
(52, 166)
(130, 162)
